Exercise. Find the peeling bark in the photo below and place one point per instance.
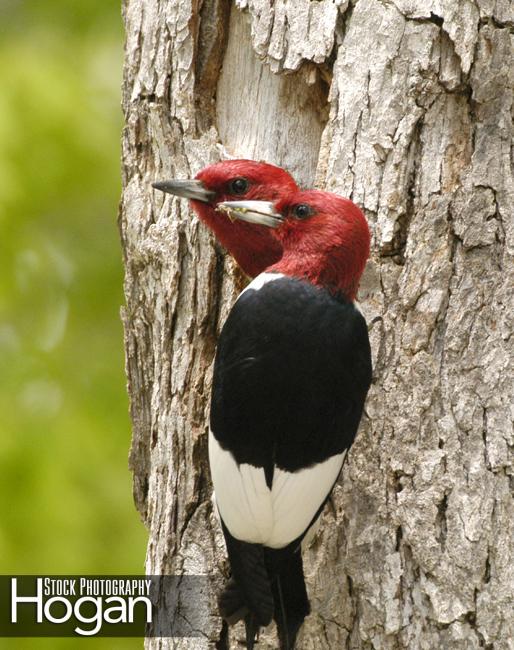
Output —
(406, 107)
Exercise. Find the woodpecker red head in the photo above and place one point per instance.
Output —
(325, 237)
(253, 246)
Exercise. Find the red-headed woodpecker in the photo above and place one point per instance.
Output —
(291, 374)
(252, 245)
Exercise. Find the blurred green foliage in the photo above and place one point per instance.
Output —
(65, 489)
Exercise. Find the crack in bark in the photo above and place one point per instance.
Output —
(211, 42)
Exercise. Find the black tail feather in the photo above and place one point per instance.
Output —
(251, 577)
(266, 583)
(252, 630)
(290, 594)
(231, 603)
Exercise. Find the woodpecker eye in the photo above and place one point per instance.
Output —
(238, 186)
(302, 211)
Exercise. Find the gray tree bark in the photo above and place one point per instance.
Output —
(406, 107)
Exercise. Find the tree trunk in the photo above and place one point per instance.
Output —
(405, 106)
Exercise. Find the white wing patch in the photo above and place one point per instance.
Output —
(254, 513)
(297, 496)
(242, 496)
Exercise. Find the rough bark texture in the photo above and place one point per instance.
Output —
(405, 106)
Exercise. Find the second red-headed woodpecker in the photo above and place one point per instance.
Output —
(251, 244)
(291, 374)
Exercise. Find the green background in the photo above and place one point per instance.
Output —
(65, 488)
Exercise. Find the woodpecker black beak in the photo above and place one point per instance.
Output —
(260, 212)
(188, 189)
